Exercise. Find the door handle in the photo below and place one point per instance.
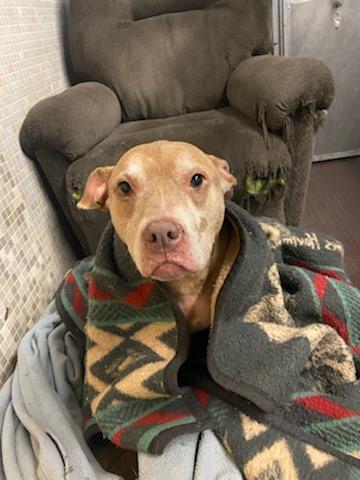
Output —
(337, 17)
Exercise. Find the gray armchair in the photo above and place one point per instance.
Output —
(200, 71)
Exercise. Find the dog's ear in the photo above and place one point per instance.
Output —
(96, 189)
(228, 181)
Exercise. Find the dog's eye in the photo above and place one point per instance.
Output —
(125, 188)
(197, 180)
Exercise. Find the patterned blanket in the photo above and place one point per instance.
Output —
(275, 376)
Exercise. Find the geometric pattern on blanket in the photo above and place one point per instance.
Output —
(137, 400)
(339, 306)
(150, 410)
(332, 300)
(267, 453)
(117, 342)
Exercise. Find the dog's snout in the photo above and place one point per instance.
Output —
(162, 235)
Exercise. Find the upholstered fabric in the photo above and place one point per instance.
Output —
(224, 133)
(163, 57)
(277, 87)
(73, 121)
(165, 65)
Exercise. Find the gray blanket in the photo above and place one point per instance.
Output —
(41, 421)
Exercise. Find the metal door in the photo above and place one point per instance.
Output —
(330, 31)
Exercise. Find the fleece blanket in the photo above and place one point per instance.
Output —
(41, 433)
(275, 377)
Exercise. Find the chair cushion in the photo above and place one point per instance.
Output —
(225, 133)
(166, 57)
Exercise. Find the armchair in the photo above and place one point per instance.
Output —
(200, 71)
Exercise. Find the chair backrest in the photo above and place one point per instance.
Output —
(166, 57)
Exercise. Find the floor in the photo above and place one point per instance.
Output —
(333, 207)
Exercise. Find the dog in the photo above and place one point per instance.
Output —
(166, 201)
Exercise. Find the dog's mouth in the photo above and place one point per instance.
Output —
(167, 269)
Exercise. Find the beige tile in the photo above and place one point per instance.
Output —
(33, 253)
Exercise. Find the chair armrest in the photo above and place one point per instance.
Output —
(271, 89)
(72, 122)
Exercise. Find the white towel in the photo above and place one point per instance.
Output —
(190, 457)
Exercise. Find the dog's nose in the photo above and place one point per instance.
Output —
(162, 235)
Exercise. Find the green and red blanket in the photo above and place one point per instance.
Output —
(276, 376)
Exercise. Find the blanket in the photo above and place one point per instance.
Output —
(41, 435)
(275, 378)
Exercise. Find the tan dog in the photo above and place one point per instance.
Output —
(167, 203)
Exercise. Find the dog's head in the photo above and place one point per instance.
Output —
(167, 202)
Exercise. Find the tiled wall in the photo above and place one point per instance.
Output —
(33, 252)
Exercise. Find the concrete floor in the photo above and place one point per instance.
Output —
(333, 207)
